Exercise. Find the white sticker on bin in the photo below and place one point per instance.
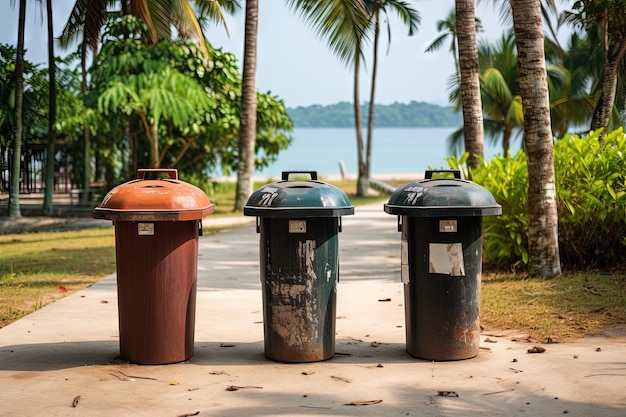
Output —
(297, 226)
(145, 229)
(446, 258)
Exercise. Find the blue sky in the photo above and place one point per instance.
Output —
(295, 65)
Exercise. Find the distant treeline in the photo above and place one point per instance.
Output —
(341, 115)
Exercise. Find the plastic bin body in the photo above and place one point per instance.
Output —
(157, 224)
(441, 264)
(442, 302)
(298, 224)
(299, 283)
(156, 291)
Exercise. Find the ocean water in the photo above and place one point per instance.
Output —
(394, 151)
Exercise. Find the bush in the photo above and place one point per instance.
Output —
(591, 200)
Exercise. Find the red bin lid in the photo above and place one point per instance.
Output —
(157, 195)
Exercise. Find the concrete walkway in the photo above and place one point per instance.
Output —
(63, 360)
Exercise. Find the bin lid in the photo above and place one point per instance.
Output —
(157, 195)
(435, 197)
(287, 198)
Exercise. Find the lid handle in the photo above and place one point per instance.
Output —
(312, 174)
(157, 173)
(429, 173)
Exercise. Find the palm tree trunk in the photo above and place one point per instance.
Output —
(372, 105)
(604, 107)
(14, 191)
(52, 109)
(84, 198)
(362, 185)
(469, 71)
(543, 242)
(247, 126)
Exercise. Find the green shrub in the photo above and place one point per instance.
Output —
(591, 198)
(591, 201)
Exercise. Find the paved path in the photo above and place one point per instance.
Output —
(68, 352)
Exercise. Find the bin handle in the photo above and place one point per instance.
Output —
(152, 173)
(285, 175)
(429, 173)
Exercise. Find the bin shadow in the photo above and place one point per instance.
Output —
(58, 355)
(347, 351)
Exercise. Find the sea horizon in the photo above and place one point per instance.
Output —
(396, 153)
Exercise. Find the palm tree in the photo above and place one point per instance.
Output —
(447, 29)
(247, 126)
(411, 18)
(605, 24)
(52, 110)
(14, 191)
(544, 259)
(344, 23)
(499, 82)
(469, 74)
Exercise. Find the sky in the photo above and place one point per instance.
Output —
(297, 66)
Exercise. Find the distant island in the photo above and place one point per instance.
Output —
(401, 115)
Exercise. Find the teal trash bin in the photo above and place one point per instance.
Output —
(441, 263)
(298, 222)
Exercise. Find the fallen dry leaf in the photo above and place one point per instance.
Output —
(237, 388)
(370, 402)
(447, 393)
(340, 378)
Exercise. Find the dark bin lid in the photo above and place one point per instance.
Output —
(442, 197)
(287, 198)
(156, 195)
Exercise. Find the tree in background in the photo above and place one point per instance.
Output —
(409, 17)
(88, 17)
(469, 74)
(344, 24)
(14, 190)
(605, 24)
(544, 260)
(499, 82)
(247, 124)
(52, 112)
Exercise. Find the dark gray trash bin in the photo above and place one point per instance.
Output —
(298, 222)
(441, 225)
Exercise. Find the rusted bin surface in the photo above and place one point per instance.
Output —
(441, 225)
(157, 222)
(298, 223)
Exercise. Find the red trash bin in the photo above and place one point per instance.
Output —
(157, 220)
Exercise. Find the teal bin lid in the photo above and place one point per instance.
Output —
(287, 198)
(442, 197)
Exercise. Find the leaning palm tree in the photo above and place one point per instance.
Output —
(544, 259)
(247, 123)
(409, 17)
(605, 23)
(14, 190)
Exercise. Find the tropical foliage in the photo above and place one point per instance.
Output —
(590, 195)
